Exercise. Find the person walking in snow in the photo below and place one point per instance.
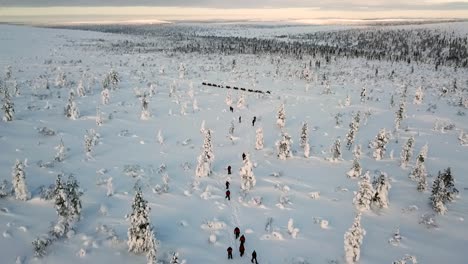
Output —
(254, 120)
(242, 239)
(240, 119)
(231, 109)
(228, 195)
(243, 156)
(227, 185)
(237, 232)
(229, 250)
(241, 250)
(229, 170)
(254, 257)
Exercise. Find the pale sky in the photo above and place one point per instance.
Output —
(66, 10)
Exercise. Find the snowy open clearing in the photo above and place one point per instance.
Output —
(150, 130)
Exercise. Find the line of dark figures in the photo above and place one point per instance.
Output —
(241, 247)
(235, 88)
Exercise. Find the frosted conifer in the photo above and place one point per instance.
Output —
(407, 152)
(19, 182)
(353, 241)
(138, 239)
(381, 187)
(363, 197)
(379, 144)
(284, 147)
(247, 176)
(259, 139)
(281, 120)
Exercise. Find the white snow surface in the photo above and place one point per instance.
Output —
(191, 202)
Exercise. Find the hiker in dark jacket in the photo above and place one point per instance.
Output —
(227, 185)
(229, 250)
(242, 239)
(241, 250)
(228, 195)
(243, 156)
(229, 170)
(237, 232)
(240, 119)
(231, 109)
(254, 120)
(254, 257)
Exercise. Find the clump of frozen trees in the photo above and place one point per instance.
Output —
(381, 186)
(111, 80)
(443, 191)
(71, 109)
(336, 150)
(353, 241)
(399, 115)
(247, 176)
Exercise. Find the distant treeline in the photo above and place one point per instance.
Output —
(235, 88)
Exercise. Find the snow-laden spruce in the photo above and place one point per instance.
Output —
(228, 99)
(105, 96)
(381, 187)
(99, 120)
(356, 170)
(241, 101)
(111, 80)
(443, 191)
(71, 109)
(335, 151)
(353, 128)
(419, 173)
(140, 233)
(206, 158)
(247, 176)
(61, 152)
(259, 138)
(281, 117)
(399, 115)
(353, 241)
(407, 259)
(407, 152)
(8, 106)
(293, 231)
(284, 146)
(20, 187)
(305, 139)
(363, 197)
(380, 143)
(80, 90)
(153, 244)
(145, 113)
(418, 96)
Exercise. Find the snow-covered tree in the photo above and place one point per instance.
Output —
(381, 187)
(353, 128)
(407, 152)
(105, 96)
(145, 113)
(259, 139)
(241, 101)
(281, 118)
(228, 99)
(8, 107)
(406, 260)
(206, 157)
(195, 107)
(61, 80)
(353, 241)
(291, 229)
(450, 190)
(347, 100)
(399, 115)
(419, 173)
(71, 109)
(160, 137)
(284, 147)
(363, 94)
(8, 72)
(304, 134)
(74, 198)
(98, 116)
(356, 170)
(111, 81)
(336, 150)
(88, 144)
(62, 203)
(140, 230)
(61, 151)
(153, 244)
(182, 71)
(418, 96)
(174, 258)
(247, 176)
(438, 195)
(463, 138)
(363, 197)
(19, 182)
(81, 89)
(357, 152)
(110, 187)
(379, 144)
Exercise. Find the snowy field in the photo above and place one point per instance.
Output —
(158, 150)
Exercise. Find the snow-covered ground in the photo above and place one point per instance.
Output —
(195, 208)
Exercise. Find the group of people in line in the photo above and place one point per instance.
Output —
(241, 247)
(254, 119)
